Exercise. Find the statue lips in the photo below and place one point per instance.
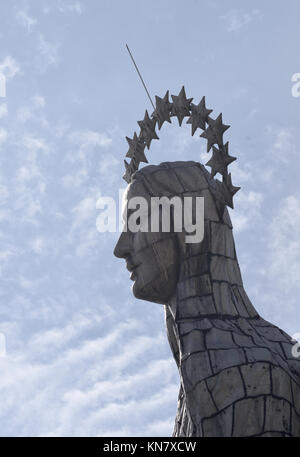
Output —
(130, 267)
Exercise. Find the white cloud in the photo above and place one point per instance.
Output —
(25, 20)
(3, 136)
(284, 235)
(29, 181)
(86, 138)
(86, 243)
(38, 101)
(32, 111)
(75, 7)
(119, 390)
(87, 141)
(34, 143)
(133, 411)
(63, 7)
(284, 143)
(247, 207)
(235, 19)
(48, 53)
(108, 167)
(85, 386)
(3, 194)
(7, 253)
(83, 235)
(3, 110)
(85, 209)
(38, 245)
(9, 67)
(244, 174)
(161, 427)
(76, 179)
(24, 114)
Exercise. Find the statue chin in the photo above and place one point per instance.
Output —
(155, 293)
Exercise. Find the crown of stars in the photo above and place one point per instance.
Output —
(198, 117)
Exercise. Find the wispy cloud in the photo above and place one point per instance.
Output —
(235, 19)
(283, 142)
(9, 67)
(84, 210)
(84, 357)
(38, 245)
(89, 138)
(72, 7)
(32, 111)
(247, 209)
(25, 20)
(47, 53)
(92, 376)
(3, 110)
(3, 136)
(64, 6)
(284, 235)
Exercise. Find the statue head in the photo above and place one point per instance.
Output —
(156, 259)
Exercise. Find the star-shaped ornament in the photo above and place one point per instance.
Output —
(231, 190)
(148, 132)
(214, 133)
(220, 160)
(162, 111)
(181, 105)
(199, 115)
(130, 168)
(136, 149)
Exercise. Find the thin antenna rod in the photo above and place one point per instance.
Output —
(140, 76)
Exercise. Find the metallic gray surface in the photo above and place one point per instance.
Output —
(238, 376)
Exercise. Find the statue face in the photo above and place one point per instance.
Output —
(151, 257)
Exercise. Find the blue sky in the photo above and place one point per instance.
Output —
(83, 356)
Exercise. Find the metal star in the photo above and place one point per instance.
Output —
(136, 149)
(148, 132)
(199, 115)
(181, 105)
(127, 174)
(162, 111)
(214, 133)
(130, 168)
(231, 190)
(220, 160)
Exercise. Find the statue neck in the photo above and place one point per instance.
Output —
(210, 282)
(215, 290)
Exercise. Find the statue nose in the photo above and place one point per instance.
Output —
(122, 248)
